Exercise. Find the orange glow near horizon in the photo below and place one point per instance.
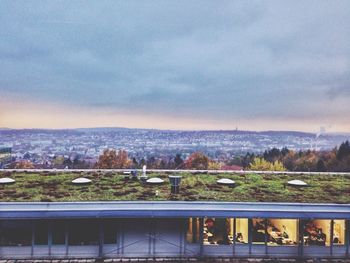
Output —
(51, 116)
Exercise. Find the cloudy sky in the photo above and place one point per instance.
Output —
(259, 65)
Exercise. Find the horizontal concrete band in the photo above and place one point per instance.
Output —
(170, 209)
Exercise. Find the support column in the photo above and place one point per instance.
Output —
(182, 235)
(234, 237)
(331, 236)
(66, 237)
(250, 234)
(150, 233)
(49, 235)
(201, 227)
(301, 238)
(33, 239)
(347, 237)
(154, 232)
(100, 238)
(265, 239)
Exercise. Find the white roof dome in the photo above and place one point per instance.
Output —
(81, 180)
(155, 180)
(6, 180)
(297, 183)
(226, 181)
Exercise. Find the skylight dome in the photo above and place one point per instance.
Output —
(226, 181)
(297, 183)
(6, 180)
(81, 180)
(155, 180)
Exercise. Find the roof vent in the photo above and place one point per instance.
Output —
(144, 176)
(81, 180)
(6, 180)
(175, 181)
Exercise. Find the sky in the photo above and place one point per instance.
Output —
(251, 65)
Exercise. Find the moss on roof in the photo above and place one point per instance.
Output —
(107, 186)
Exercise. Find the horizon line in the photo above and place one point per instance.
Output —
(160, 129)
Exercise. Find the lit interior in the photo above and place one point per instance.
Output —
(217, 231)
(241, 236)
(317, 232)
(192, 234)
(282, 232)
(339, 232)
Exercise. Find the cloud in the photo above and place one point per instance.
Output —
(194, 59)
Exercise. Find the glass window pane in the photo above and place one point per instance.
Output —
(192, 234)
(339, 232)
(317, 232)
(216, 231)
(83, 233)
(58, 233)
(110, 232)
(41, 233)
(15, 233)
(241, 231)
(258, 231)
(282, 232)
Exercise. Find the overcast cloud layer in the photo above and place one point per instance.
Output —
(224, 60)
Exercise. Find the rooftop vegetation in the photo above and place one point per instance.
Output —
(107, 186)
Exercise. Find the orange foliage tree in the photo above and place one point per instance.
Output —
(197, 161)
(110, 159)
(24, 164)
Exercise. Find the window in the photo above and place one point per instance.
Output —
(217, 231)
(317, 232)
(282, 232)
(192, 234)
(241, 236)
(41, 233)
(83, 232)
(258, 231)
(110, 232)
(58, 233)
(15, 233)
(338, 232)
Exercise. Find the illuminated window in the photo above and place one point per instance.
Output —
(217, 231)
(282, 232)
(241, 236)
(258, 231)
(339, 232)
(317, 232)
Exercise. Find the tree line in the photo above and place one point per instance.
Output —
(335, 160)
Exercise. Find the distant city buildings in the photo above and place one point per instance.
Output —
(47, 147)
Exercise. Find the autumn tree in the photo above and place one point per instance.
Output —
(110, 159)
(260, 164)
(197, 161)
(24, 164)
(214, 165)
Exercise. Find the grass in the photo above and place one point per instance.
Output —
(194, 187)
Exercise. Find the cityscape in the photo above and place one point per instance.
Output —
(43, 146)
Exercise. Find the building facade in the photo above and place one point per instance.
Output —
(173, 229)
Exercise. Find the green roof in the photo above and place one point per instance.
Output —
(109, 186)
